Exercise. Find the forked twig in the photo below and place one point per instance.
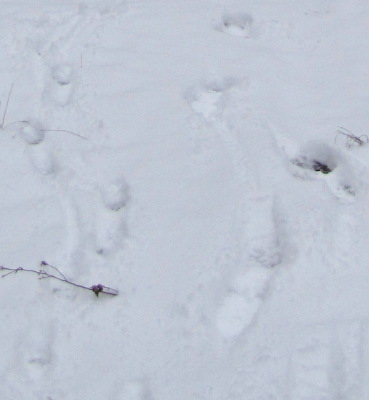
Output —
(45, 130)
(56, 269)
(27, 122)
(42, 274)
(351, 139)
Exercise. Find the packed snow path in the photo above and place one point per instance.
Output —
(185, 153)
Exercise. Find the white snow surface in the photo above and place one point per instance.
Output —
(193, 189)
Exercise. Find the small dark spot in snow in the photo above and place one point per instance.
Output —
(318, 166)
(100, 252)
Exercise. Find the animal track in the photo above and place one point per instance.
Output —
(116, 195)
(328, 360)
(106, 231)
(248, 289)
(234, 315)
(31, 132)
(256, 250)
(237, 24)
(207, 100)
(42, 160)
(60, 86)
(62, 74)
(244, 25)
(112, 228)
(316, 156)
(240, 306)
(317, 160)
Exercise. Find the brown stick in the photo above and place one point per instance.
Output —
(97, 289)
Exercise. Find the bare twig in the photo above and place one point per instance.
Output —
(56, 269)
(97, 289)
(15, 122)
(63, 130)
(6, 106)
(27, 122)
(43, 130)
(352, 139)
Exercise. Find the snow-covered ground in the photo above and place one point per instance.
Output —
(193, 187)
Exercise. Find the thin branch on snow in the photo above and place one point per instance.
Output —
(6, 106)
(64, 130)
(42, 274)
(352, 139)
(2, 125)
(56, 269)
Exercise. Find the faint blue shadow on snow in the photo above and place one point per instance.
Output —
(135, 389)
(207, 99)
(342, 180)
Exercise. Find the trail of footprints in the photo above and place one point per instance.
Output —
(322, 365)
(110, 196)
(94, 208)
(258, 248)
(315, 160)
(248, 289)
(95, 222)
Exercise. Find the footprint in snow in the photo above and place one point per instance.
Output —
(239, 307)
(206, 100)
(32, 133)
(111, 228)
(95, 214)
(244, 25)
(42, 160)
(248, 290)
(328, 359)
(60, 86)
(317, 160)
(237, 24)
(116, 195)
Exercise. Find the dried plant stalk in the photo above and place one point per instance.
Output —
(42, 274)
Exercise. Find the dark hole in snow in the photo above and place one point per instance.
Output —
(318, 166)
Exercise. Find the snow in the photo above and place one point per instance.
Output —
(186, 154)
(32, 132)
